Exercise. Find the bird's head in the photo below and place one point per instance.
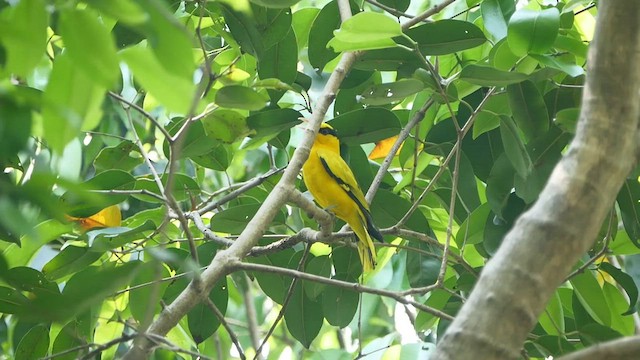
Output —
(327, 136)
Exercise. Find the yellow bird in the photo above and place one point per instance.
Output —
(333, 186)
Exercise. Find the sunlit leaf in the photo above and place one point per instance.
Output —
(533, 31)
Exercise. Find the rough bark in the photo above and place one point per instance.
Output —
(626, 348)
(544, 244)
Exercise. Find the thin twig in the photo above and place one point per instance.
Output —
(142, 111)
(421, 17)
(285, 303)
(402, 136)
(389, 9)
(465, 129)
(341, 284)
(252, 317)
(234, 338)
(257, 181)
(102, 347)
(129, 192)
(602, 252)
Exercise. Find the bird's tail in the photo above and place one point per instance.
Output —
(366, 250)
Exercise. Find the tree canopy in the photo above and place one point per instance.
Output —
(152, 205)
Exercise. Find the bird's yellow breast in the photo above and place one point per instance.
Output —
(327, 192)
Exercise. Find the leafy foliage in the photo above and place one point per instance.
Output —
(182, 113)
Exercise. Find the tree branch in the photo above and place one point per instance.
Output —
(342, 284)
(626, 348)
(547, 240)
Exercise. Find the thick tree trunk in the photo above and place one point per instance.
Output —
(547, 240)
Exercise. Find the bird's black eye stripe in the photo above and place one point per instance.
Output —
(328, 131)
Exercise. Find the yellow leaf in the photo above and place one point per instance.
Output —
(107, 217)
(602, 276)
(383, 147)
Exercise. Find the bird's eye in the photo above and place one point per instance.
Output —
(328, 131)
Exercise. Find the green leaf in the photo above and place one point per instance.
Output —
(34, 345)
(275, 286)
(366, 31)
(80, 201)
(202, 321)
(497, 226)
(489, 117)
(280, 62)
(89, 287)
(423, 266)
(123, 10)
(102, 240)
(548, 345)
(90, 46)
(467, 199)
(144, 301)
(170, 41)
(446, 37)
(301, 24)
(273, 25)
(529, 110)
(617, 302)
(12, 301)
(390, 59)
(472, 229)
(552, 319)
(572, 45)
(437, 300)
(545, 152)
(594, 333)
(234, 219)
(553, 62)
(70, 342)
(321, 266)
(626, 282)
(500, 184)
(567, 119)
(71, 102)
(217, 159)
(227, 126)
(339, 305)
(382, 94)
(388, 208)
(69, 260)
(303, 316)
(243, 27)
(276, 4)
(23, 32)
(495, 14)
(366, 125)
(119, 157)
(172, 90)
(514, 147)
(321, 33)
(240, 97)
(630, 209)
(43, 233)
(32, 281)
(400, 5)
(345, 260)
(591, 297)
(490, 76)
(16, 127)
(533, 31)
(184, 187)
(269, 123)
(195, 141)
